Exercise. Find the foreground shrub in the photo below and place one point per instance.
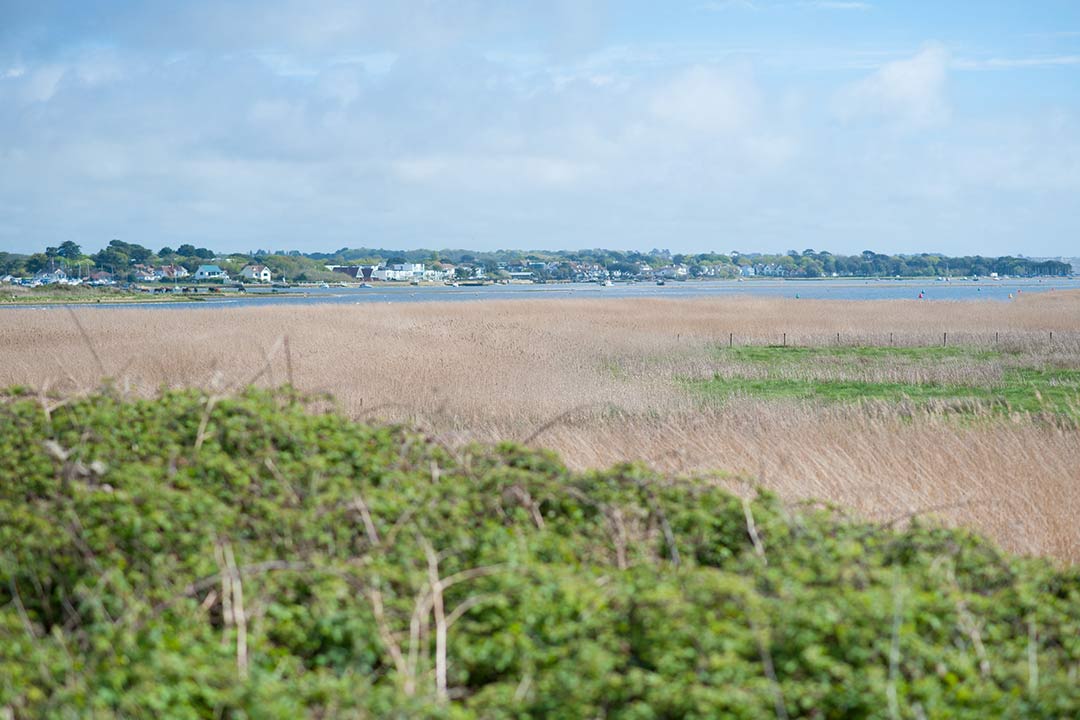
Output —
(195, 557)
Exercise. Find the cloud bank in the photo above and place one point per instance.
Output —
(469, 124)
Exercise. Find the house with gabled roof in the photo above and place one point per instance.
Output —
(211, 272)
(51, 276)
(172, 272)
(256, 273)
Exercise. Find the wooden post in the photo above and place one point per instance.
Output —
(837, 338)
(785, 338)
(730, 339)
(890, 339)
(944, 339)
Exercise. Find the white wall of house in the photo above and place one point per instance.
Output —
(211, 273)
(402, 272)
(260, 274)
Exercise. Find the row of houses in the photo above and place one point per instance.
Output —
(250, 273)
(522, 271)
(143, 274)
(254, 272)
(396, 272)
(58, 276)
(149, 273)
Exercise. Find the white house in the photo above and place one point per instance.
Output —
(256, 273)
(673, 272)
(210, 272)
(438, 275)
(172, 272)
(400, 271)
(144, 273)
(51, 276)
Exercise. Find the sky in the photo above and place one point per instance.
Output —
(696, 125)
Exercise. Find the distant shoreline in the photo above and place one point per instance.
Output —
(848, 289)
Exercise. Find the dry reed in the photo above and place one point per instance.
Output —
(608, 370)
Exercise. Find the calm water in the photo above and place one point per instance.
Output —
(931, 289)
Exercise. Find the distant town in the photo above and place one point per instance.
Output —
(126, 264)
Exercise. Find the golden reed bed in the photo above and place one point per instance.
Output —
(597, 380)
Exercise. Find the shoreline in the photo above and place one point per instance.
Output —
(860, 289)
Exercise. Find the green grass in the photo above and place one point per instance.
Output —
(776, 354)
(1027, 390)
(131, 530)
(82, 294)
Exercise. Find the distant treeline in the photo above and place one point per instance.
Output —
(121, 258)
(808, 263)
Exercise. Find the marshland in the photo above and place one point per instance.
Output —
(965, 411)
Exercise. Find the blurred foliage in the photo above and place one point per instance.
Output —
(254, 557)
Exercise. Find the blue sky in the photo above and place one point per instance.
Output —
(899, 126)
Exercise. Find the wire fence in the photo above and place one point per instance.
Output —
(1002, 341)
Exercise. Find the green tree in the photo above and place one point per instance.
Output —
(37, 262)
(112, 259)
(69, 250)
(12, 264)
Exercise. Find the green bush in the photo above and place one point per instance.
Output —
(191, 557)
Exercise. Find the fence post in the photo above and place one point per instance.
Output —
(785, 338)
(944, 339)
(730, 339)
(837, 338)
(890, 339)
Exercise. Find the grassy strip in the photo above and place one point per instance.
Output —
(75, 295)
(1022, 390)
(1028, 390)
(194, 556)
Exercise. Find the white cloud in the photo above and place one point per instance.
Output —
(910, 92)
(1011, 63)
(707, 99)
(721, 5)
(347, 128)
(492, 172)
(41, 84)
(839, 4)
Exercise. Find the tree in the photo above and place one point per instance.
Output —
(186, 250)
(166, 251)
(812, 267)
(69, 250)
(37, 262)
(112, 258)
(623, 268)
(11, 263)
(135, 253)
